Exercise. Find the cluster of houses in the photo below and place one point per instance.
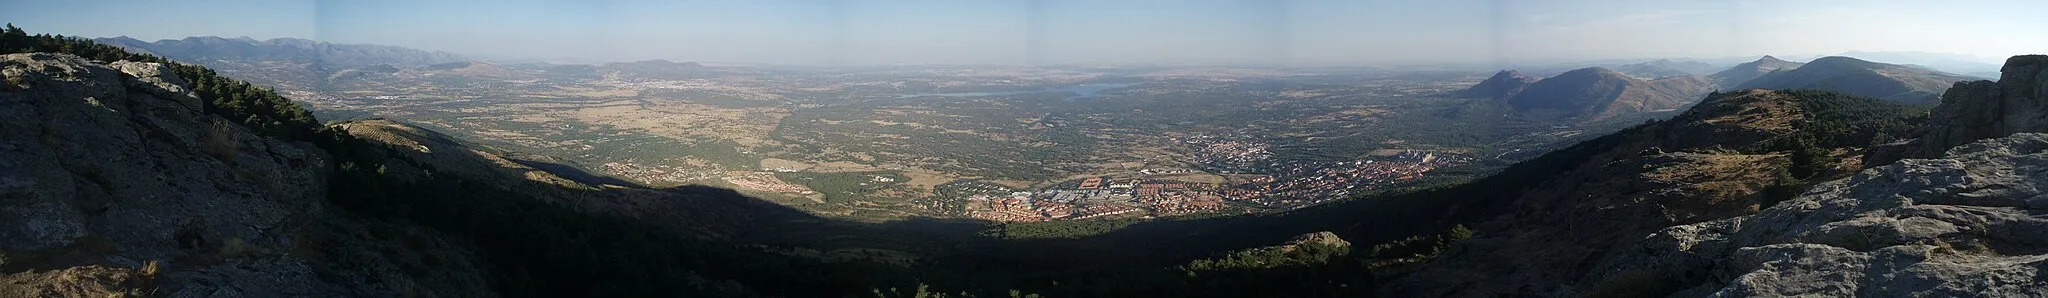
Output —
(1097, 197)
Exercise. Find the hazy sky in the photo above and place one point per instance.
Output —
(1096, 31)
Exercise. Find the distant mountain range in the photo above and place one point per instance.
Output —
(1502, 85)
(1974, 66)
(299, 64)
(201, 48)
(1728, 79)
(1953, 63)
(1596, 93)
(1890, 82)
(1666, 68)
(1592, 93)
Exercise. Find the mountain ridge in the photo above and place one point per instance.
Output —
(1661, 68)
(1595, 93)
(1501, 85)
(1743, 73)
(1891, 82)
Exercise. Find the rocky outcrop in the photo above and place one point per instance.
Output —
(159, 81)
(111, 178)
(1966, 225)
(1976, 110)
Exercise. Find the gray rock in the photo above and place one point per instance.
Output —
(157, 79)
(1967, 225)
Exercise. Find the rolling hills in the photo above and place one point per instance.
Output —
(1665, 68)
(1743, 73)
(1896, 83)
(1598, 93)
(1501, 85)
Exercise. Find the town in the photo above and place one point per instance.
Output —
(1136, 197)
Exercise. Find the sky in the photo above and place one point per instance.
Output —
(1060, 32)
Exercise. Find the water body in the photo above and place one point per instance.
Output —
(1080, 91)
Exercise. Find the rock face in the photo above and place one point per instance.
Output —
(1742, 73)
(1970, 111)
(1502, 85)
(105, 171)
(1968, 224)
(84, 136)
(1895, 83)
(1597, 93)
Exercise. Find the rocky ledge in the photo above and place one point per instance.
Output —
(1969, 224)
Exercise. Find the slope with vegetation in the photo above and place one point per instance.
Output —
(1731, 155)
(1501, 85)
(121, 180)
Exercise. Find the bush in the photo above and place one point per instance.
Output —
(13, 84)
(220, 143)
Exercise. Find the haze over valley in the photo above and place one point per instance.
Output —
(1026, 149)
